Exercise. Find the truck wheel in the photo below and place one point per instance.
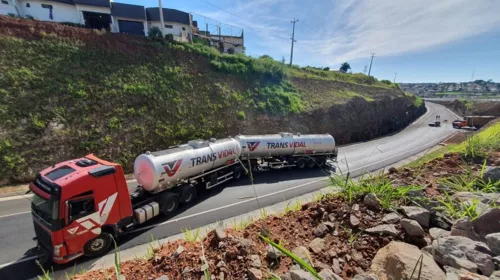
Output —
(237, 173)
(168, 203)
(320, 162)
(311, 163)
(188, 193)
(301, 163)
(99, 245)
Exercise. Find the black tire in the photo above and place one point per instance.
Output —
(237, 172)
(188, 193)
(169, 202)
(311, 163)
(320, 162)
(99, 245)
(301, 163)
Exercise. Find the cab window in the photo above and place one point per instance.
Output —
(80, 207)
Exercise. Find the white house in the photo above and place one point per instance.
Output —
(8, 7)
(177, 23)
(129, 19)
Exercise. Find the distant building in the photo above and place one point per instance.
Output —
(177, 23)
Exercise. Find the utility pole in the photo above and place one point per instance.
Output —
(395, 74)
(293, 39)
(161, 18)
(370, 70)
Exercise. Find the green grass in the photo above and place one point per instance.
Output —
(439, 153)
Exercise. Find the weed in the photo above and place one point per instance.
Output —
(462, 209)
(294, 257)
(117, 264)
(263, 213)
(421, 262)
(318, 197)
(46, 274)
(352, 236)
(191, 235)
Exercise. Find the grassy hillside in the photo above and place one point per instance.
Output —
(65, 92)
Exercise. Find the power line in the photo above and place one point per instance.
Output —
(293, 39)
(370, 70)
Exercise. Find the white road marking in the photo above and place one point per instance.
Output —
(27, 196)
(18, 261)
(13, 214)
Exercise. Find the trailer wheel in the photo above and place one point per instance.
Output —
(99, 245)
(311, 163)
(237, 171)
(301, 163)
(188, 193)
(168, 203)
(320, 162)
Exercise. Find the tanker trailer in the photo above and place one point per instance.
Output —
(287, 149)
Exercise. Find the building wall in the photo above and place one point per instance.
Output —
(116, 28)
(176, 30)
(7, 8)
(60, 12)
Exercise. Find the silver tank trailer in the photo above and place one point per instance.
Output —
(285, 144)
(163, 169)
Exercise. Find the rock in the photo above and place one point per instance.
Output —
(384, 229)
(371, 201)
(327, 274)
(320, 230)
(491, 174)
(303, 253)
(419, 214)
(397, 261)
(482, 200)
(441, 221)
(393, 170)
(336, 266)
(245, 243)
(355, 208)
(461, 274)
(391, 218)
(317, 245)
(319, 265)
(360, 260)
(483, 225)
(329, 225)
(219, 232)
(286, 276)
(495, 275)
(365, 277)
(254, 274)
(436, 233)
(273, 253)
(418, 241)
(163, 277)
(462, 252)
(255, 261)
(301, 275)
(122, 277)
(412, 227)
(331, 217)
(178, 251)
(463, 227)
(496, 262)
(354, 220)
(493, 241)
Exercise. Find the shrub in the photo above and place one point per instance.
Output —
(169, 37)
(241, 116)
(12, 15)
(67, 23)
(29, 17)
(387, 82)
(155, 33)
(230, 51)
(326, 69)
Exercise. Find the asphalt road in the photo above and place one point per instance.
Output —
(232, 199)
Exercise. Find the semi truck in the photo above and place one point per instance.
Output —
(81, 205)
(472, 121)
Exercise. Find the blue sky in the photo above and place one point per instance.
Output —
(421, 40)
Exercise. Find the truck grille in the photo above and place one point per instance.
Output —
(43, 236)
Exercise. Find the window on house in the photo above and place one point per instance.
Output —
(46, 6)
(183, 28)
(169, 26)
(5, 2)
(28, 5)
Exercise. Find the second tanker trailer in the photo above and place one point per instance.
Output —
(79, 206)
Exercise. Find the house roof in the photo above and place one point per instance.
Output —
(128, 11)
(99, 3)
(70, 2)
(172, 15)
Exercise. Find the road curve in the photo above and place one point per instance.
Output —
(232, 199)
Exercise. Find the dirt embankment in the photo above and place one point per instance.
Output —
(468, 107)
(66, 92)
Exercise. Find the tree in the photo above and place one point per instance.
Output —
(266, 56)
(344, 67)
(326, 69)
(282, 60)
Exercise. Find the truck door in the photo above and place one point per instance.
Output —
(82, 222)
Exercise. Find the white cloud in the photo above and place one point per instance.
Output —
(330, 32)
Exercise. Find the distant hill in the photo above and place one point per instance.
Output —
(478, 88)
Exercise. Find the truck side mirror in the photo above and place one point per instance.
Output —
(66, 213)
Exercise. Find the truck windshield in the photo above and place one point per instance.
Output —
(47, 209)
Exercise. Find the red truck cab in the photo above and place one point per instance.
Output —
(78, 207)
